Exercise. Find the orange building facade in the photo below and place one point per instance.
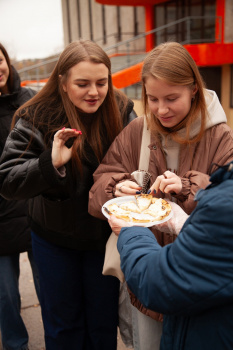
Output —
(210, 44)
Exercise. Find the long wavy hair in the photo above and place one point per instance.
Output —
(10, 80)
(51, 109)
(172, 63)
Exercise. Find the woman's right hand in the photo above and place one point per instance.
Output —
(168, 182)
(127, 188)
(60, 153)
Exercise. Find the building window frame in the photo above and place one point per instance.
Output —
(135, 21)
(231, 86)
(119, 33)
(104, 25)
(68, 21)
(201, 29)
(79, 20)
(90, 20)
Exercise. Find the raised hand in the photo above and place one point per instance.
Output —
(61, 154)
(169, 182)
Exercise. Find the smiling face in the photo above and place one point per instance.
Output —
(87, 85)
(169, 103)
(4, 74)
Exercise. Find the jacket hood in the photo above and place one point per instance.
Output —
(216, 114)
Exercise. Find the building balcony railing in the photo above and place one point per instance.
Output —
(188, 30)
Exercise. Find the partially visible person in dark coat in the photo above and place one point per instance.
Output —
(189, 281)
(15, 236)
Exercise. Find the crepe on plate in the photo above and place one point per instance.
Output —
(144, 209)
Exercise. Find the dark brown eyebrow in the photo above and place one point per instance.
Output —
(85, 80)
(169, 95)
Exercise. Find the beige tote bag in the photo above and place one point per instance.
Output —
(112, 262)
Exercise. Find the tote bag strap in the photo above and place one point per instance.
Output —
(145, 151)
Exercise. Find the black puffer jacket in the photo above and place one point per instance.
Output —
(58, 206)
(14, 229)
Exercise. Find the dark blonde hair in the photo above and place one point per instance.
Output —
(10, 80)
(50, 109)
(172, 63)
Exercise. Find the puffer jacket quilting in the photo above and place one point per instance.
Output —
(57, 205)
(193, 286)
(123, 158)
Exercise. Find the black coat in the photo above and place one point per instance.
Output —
(58, 206)
(14, 229)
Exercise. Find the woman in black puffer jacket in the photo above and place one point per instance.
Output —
(15, 236)
(49, 158)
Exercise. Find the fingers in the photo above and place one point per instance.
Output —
(160, 184)
(61, 153)
(117, 224)
(127, 188)
(168, 182)
(65, 134)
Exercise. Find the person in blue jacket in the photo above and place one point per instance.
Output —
(191, 280)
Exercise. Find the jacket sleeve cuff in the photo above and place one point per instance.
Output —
(128, 233)
(61, 171)
(183, 195)
(51, 174)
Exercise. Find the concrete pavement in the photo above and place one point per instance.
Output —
(31, 311)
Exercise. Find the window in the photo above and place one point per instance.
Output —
(201, 29)
(90, 19)
(79, 20)
(231, 90)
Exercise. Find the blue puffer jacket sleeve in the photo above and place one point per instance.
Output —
(192, 274)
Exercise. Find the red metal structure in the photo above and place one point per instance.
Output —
(205, 54)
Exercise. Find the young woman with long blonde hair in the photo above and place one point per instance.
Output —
(188, 133)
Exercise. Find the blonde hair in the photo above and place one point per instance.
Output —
(172, 63)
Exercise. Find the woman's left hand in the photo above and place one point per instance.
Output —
(167, 183)
(61, 154)
(175, 223)
(117, 224)
(127, 188)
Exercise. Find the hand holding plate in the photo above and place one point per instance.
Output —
(117, 224)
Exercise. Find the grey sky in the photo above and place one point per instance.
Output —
(31, 28)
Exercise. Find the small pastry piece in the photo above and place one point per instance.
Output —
(159, 209)
(141, 218)
(130, 206)
(143, 201)
(118, 212)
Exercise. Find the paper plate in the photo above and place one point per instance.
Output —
(120, 200)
